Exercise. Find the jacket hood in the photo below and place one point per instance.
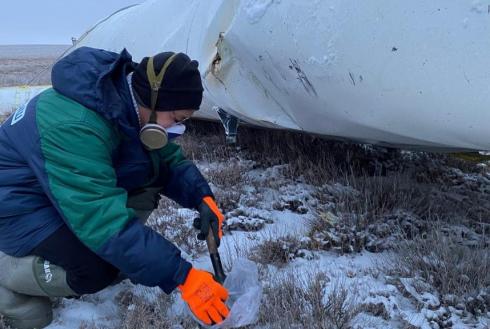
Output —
(96, 79)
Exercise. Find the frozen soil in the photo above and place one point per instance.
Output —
(387, 239)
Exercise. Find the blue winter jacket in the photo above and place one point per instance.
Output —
(71, 156)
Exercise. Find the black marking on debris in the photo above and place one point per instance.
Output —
(352, 78)
(394, 49)
(302, 77)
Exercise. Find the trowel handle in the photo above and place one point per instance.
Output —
(219, 273)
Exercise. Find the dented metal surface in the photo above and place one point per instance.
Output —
(408, 74)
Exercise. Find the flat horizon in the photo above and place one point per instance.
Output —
(34, 44)
(20, 51)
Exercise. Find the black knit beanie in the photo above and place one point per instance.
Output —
(181, 86)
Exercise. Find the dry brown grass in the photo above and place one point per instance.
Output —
(15, 72)
(441, 260)
(227, 199)
(277, 251)
(167, 221)
(227, 176)
(205, 141)
(378, 196)
(137, 313)
(27, 64)
(297, 302)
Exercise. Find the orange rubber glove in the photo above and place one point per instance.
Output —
(205, 297)
(209, 217)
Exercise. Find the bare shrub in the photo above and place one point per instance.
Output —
(176, 227)
(276, 251)
(232, 250)
(138, 313)
(229, 180)
(205, 141)
(427, 184)
(340, 308)
(378, 196)
(307, 156)
(296, 302)
(327, 232)
(448, 266)
(348, 234)
(229, 176)
(227, 199)
(376, 309)
(315, 159)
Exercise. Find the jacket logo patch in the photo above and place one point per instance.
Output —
(19, 114)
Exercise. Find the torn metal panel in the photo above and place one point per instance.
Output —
(411, 73)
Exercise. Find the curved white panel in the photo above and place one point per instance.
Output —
(406, 73)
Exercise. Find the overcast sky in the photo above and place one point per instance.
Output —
(52, 21)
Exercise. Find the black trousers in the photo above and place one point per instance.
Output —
(86, 273)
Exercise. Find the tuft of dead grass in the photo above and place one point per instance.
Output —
(296, 302)
(205, 141)
(229, 176)
(451, 268)
(276, 251)
(138, 313)
(227, 199)
(228, 179)
(378, 196)
(176, 227)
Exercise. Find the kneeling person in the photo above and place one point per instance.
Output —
(82, 165)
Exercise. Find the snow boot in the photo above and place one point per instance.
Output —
(25, 312)
(27, 284)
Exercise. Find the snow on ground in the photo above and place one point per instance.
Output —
(398, 303)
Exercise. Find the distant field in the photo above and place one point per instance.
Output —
(28, 64)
